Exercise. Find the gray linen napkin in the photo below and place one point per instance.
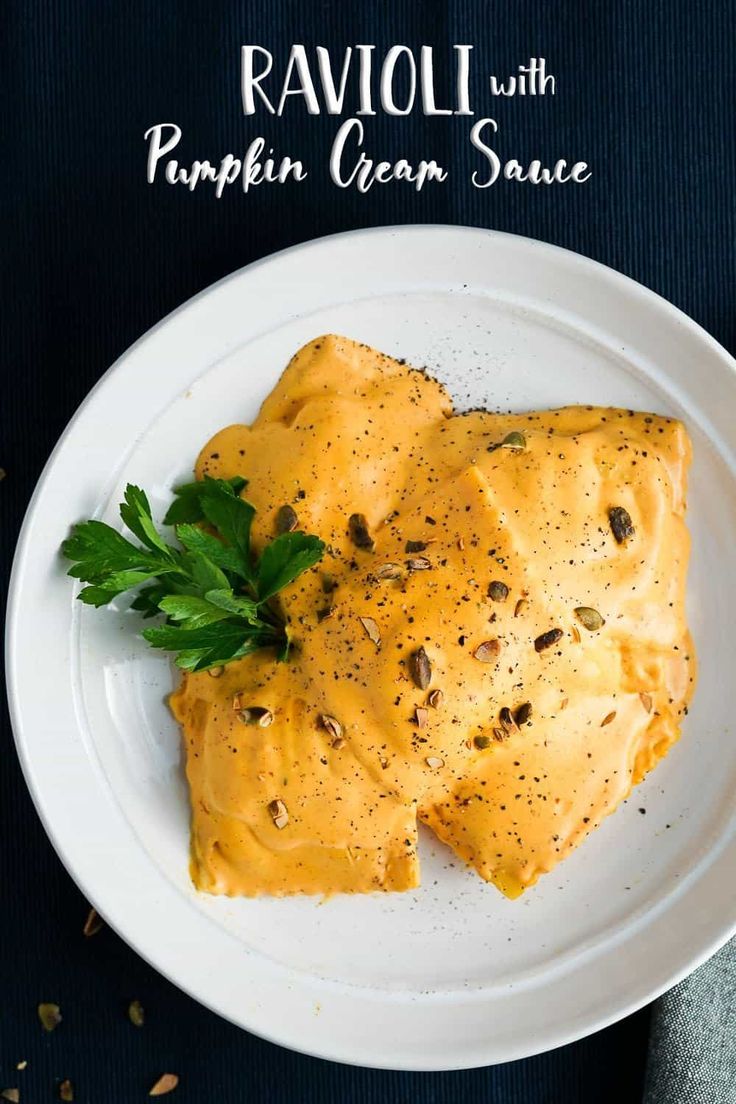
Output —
(692, 1046)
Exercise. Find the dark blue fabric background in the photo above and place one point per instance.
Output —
(92, 256)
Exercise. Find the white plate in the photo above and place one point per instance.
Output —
(451, 975)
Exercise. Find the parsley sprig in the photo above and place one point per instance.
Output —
(217, 596)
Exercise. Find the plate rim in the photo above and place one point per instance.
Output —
(15, 590)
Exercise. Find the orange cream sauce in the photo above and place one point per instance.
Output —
(349, 430)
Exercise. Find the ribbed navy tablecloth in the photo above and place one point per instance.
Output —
(92, 256)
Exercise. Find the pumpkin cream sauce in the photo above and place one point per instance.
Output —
(494, 643)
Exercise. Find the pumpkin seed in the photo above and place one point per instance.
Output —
(256, 715)
(621, 524)
(506, 718)
(498, 591)
(547, 639)
(420, 668)
(523, 714)
(279, 813)
(419, 563)
(487, 652)
(372, 629)
(286, 519)
(92, 924)
(482, 742)
(589, 618)
(331, 725)
(389, 571)
(435, 698)
(166, 1083)
(360, 533)
(49, 1015)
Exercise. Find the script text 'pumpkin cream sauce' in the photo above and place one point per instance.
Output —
(494, 642)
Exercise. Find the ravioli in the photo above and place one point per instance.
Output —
(494, 644)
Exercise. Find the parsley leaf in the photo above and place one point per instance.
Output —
(196, 540)
(136, 514)
(231, 516)
(213, 592)
(204, 574)
(100, 550)
(209, 645)
(284, 560)
(233, 603)
(191, 609)
(146, 602)
(187, 506)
